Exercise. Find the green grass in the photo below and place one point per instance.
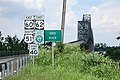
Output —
(72, 64)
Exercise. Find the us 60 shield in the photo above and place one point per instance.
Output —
(28, 24)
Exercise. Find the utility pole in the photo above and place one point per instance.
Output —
(63, 18)
(0, 36)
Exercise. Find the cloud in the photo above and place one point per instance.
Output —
(70, 18)
(70, 15)
(0, 10)
(11, 27)
(71, 22)
(28, 4)
(33, 4)
(52, 14)
(71, 2)
(14, 0)
(105, 17)
(106, 21)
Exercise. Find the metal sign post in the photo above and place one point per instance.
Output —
(53, 44)
(33, 61)
(52, 54)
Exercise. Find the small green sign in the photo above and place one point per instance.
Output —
(53, 35)
(39, 38)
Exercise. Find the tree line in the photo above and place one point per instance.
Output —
(112, 52)
(10, 46)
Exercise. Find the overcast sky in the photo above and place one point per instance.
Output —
(105, 17)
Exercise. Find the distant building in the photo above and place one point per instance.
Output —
(85, 33)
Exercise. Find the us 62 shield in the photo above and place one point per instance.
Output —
(39, 24)
(29, 38)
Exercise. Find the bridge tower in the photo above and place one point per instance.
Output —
(85, 33)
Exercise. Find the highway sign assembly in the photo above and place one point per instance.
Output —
(35, 34)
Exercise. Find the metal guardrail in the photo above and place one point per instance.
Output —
(13, 66)
(12, 53)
